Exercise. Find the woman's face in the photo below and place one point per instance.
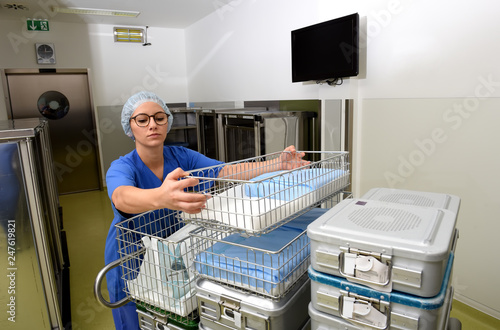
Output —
(152, 134)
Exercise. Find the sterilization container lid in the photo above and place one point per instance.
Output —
(255, 302)
(416, 198)
(412, 232)
(402, 298)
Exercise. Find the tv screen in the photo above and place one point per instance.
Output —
(328, 50)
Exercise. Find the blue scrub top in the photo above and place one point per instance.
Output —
(130, 170)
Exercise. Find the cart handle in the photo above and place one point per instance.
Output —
(98, 281)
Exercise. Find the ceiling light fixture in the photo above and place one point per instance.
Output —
(90, 11)
(123, 34)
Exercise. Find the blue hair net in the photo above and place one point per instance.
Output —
(134, 102)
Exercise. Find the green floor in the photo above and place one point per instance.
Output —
(87, 217)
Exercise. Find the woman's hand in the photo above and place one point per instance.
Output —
(175, 197)
(170, 195)
(290, 159)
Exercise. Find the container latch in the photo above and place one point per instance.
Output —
(372, 269)
(230, 308)
(366, 311)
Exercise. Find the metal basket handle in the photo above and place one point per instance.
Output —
(97, 287)
(100, 276)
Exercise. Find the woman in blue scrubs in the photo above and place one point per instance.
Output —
(148, 179)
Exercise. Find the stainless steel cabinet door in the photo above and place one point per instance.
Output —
(64, 99)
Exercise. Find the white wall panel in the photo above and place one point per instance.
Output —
(446, 145)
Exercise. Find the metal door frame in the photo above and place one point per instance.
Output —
(40, 234)
(5, 72)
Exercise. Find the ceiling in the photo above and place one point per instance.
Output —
(153, 13)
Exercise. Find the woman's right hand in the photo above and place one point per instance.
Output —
(174, 196)
(170, 195)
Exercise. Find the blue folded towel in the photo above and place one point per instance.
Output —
(287, 186)
(241, 264)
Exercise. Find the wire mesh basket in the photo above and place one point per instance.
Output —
(157, 265)
(268, 264)
(252, 198)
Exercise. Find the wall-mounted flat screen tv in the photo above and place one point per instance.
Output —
(327, 50)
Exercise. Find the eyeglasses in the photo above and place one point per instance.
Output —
(142, 119)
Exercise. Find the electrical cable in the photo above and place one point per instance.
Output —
(331, 82)
(335, 82)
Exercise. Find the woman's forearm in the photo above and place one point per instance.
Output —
(288, 159)
(133, 200)
(247, 171)
(170, 195)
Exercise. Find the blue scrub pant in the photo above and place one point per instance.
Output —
(126, 317)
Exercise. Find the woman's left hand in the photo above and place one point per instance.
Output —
(290, 159)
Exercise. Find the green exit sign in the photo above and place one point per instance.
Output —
(37, 25)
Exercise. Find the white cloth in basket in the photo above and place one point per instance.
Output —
(164, 279)
(238, 208)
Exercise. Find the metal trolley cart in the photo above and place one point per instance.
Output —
(155, 259)
(161, 252)
(251, 248)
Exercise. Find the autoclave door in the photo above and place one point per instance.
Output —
(62, 97)
(29, 233)
(243, 137)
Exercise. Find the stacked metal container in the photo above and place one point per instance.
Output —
(251, 252)
(384, 261)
